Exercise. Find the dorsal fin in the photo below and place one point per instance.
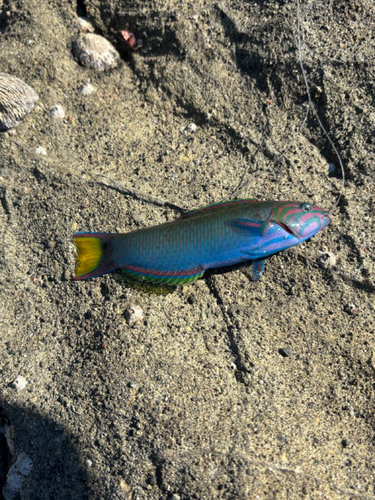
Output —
(216, 207)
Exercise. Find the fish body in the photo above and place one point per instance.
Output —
(214, 236)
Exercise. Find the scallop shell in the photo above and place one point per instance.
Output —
(95, 52)
(17, 99)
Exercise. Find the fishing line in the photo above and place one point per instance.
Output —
(311, 106)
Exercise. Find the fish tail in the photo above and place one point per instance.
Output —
(94, 255)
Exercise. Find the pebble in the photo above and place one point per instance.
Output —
(86, 89)
(40, 150)
(189, 129)
(331, 168)
(191, 299)
(285, 352)
(351, 309)
(15, 477)
(57, 112)
(88, 463)
(133, 314)
(19, 383)
(327, 259)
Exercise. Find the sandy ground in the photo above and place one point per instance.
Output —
(228, 389)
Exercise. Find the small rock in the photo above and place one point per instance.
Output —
(351, 309)
(16, 475)
(88, 463)
(285, 352)
(331, 168)
(191, 299)
(327, 259)
(19, 383)
(40, 150)
(86, 89)
(189, 129)
(57, 112)
(133, 314)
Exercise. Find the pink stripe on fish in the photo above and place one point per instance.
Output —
(250, 224)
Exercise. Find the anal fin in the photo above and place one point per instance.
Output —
(181, 277)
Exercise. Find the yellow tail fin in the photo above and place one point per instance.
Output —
(89, 254)
(94, 254)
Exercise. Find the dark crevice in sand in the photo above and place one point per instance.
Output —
(231, 332)
(81, 8)
(137, 194)
(4, 202)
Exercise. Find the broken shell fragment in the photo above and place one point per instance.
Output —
(86, 89)
(327, 259)
(95, 52)
(19, 383)
(133, 314)
(57, 111)
(83, 25)
(17, 99)
(130, 39)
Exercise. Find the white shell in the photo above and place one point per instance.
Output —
(95, 52)
(17, 99)
(57, 111)
(19, 383)
(133, 314)
(83, 25)
(86, 89)
(327, 259)
(40, 150)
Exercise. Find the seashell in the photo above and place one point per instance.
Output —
(83, 25)
(57, 111)
(133, 314)
(86, 89)
(40, 150)
(19, 383)
(17, 99)
(327, 259)
(95, 52)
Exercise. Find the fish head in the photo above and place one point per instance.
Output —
(299, 219)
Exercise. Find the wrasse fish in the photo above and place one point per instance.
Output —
(218, 235)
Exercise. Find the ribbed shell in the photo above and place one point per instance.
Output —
(17, 99)
(95, 52)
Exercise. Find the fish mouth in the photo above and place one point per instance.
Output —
(287, 229)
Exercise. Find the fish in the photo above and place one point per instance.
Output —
(214, 236)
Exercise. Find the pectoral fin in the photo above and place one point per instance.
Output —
(258, 268)
(250, 227)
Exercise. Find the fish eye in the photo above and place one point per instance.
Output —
(306, 207)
